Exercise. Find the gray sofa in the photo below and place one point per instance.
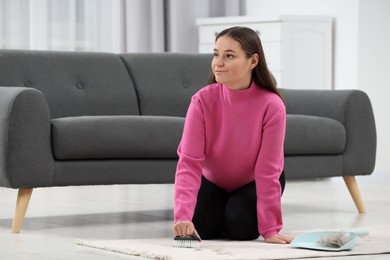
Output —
(72, 118)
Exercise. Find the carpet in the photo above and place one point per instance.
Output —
(377, 242)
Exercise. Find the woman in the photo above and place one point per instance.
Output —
(229, 177)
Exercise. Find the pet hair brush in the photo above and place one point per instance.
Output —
(192, 241)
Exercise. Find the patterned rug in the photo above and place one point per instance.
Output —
(377, 242)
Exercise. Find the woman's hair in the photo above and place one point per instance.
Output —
(251, 44)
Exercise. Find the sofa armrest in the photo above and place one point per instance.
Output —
(350, 107)
(26, 159)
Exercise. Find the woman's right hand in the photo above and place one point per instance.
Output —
(185, 228)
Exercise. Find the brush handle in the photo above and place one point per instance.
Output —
(193, 237)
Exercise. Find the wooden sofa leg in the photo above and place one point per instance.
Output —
(22, 201)
(353, 188)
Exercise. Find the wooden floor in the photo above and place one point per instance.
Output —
(58, 216)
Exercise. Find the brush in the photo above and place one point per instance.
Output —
(192, 241)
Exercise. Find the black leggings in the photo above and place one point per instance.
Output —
(233, 215)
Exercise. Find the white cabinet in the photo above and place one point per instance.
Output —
(298, 49)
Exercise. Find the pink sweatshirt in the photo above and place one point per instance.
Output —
(233, 137)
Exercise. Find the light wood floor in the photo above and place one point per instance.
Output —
(58, 216)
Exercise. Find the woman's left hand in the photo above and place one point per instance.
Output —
(279, 239)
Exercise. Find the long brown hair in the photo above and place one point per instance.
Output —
(251, 44)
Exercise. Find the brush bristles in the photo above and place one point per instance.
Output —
(186, 241)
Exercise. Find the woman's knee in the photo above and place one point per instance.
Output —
(241, 217)
(239, 226)
(209, 211)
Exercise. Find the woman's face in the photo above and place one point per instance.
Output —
(230, 64)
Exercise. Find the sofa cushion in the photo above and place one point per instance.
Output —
(116, 137)
(73, 83)
(312, 135)
(165, 82)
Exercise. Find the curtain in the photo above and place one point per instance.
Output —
(182, 33)
(108, 25)
(78, 25)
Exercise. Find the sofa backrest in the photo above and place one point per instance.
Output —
(165, 82)
(74, 83)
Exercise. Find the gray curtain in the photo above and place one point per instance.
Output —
(108, 26)
(170, 25)
(182, 32)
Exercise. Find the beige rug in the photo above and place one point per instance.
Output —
(377, 242)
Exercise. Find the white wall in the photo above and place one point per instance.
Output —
(374, 69)
(361, 50)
